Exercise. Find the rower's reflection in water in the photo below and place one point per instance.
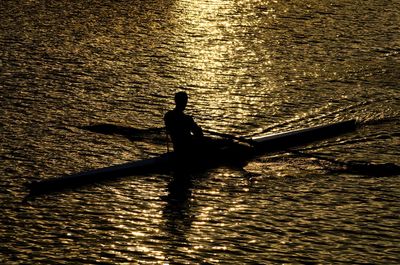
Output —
(178, 212)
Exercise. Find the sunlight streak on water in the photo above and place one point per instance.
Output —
(220, 59)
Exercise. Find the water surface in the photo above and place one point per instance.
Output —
(250, 67)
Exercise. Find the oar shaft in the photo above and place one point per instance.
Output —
(229, 136)
(300, 153)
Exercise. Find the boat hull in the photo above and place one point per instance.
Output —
(146, 166)
(281, 141)
(230, 153)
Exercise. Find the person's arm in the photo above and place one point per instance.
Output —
(167, 122)
(196, 129)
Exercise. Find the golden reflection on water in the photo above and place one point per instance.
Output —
(204, 38)
(130, 222)
(221, 53)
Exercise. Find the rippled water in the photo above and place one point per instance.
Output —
(250, 67)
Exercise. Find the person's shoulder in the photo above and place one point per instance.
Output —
(170, 115)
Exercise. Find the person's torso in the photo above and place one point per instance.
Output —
(179, 126)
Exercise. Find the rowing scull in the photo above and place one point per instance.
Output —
(168, 161)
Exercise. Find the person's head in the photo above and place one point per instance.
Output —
(181, 99)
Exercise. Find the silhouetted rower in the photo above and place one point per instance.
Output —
(184, 132)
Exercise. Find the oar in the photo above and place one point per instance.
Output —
(137, 134)
(106, 128)
(130, 133)
(361, 167)
(231, 137)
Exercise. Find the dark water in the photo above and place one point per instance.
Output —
(250, 67)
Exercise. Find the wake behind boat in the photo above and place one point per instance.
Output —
(228, 153)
